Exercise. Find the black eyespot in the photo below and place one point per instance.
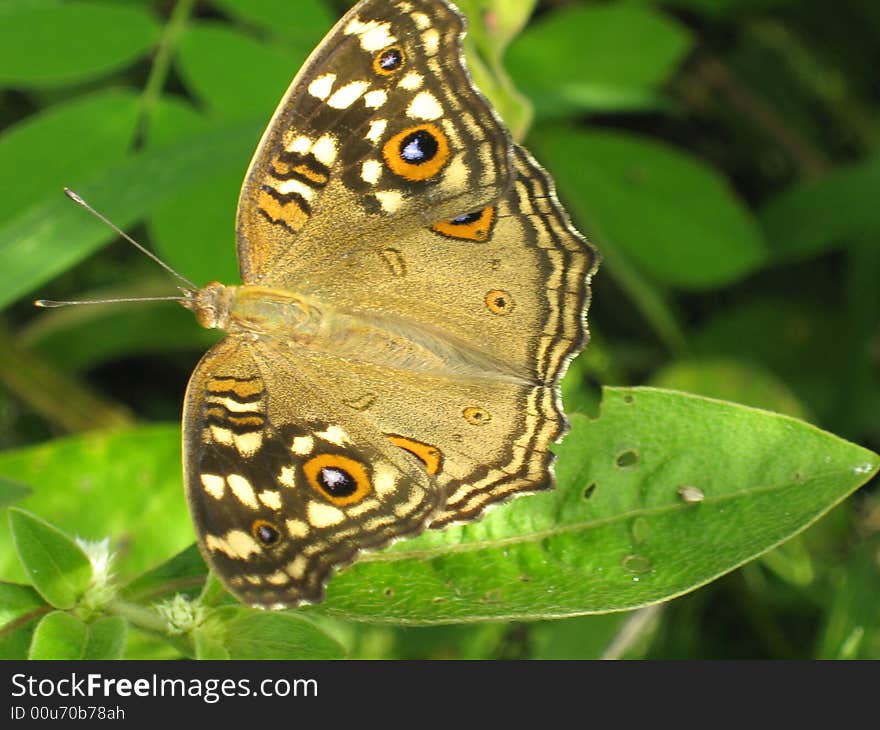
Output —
(265, 532)
(337, 482)
(464, 220)
(418, 147)
(389, 60)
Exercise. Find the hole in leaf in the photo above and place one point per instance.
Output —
(388, 592)
(588, 491)
(626, 459)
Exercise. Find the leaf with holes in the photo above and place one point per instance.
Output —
(661, 493)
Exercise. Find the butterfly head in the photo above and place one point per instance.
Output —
(210, 304)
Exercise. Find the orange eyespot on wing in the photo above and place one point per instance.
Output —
(338, 478)
(417, 153)
(389, 61)
(471, 227)
(429, 455)
(499, 302)
(265, 532)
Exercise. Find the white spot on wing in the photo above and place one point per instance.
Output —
(390, 200)
(301, 145)
(371, 171)
(213, 484)
(248, 444)
(278, 578)
(297, 528)
(346, 95)
(377, 128)
(374, 35)
(302, 445)
(411, 81)
(296, 568)
(221, 435)
(384, 479)
(324, 515)
(324, 150)
(287, 477)
(270, 498)
(335, 435)
(375, 99)
(422, 21)
(322, 86)
(295, 186)
(236, 544)
(431, 41)
(243, 490)
(424, 106)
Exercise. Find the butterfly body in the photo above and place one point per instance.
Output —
(412, 295)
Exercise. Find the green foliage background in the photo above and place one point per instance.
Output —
(721, 154)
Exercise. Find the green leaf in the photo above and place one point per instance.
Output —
(59, 635)
(53, 234)
(581, 637)
(31, 167)
(106, 638)
(616, 533)
(601, 57)
(276, 635)
(814, 217)
(55, 45)
(732, 380)
(125, 484)
(21, 607)
(236, 75)
(671, 214)
(55, 564)
(184, 573)
(304, 22)
(11, 492)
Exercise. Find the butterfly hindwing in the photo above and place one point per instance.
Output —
(281, 487)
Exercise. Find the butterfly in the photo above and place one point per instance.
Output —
(412, 295)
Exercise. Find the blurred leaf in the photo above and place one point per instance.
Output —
(493, 24)
(732, 380)
(52, 235)
(783, 335)
(599, 57)
(64, 145)
(581, 637)
(235, 632)
(236, 75)
(21, 607)
(272, 635)
(615, 534)
(854, 614)
(675, 217)
(201, 246)
(106, 638)
(184, 573)
(125, 484)
(59, 635)
(724, 8)
(55, 45)
(55, 564)
(813, 217)
(12, 492)
(304, 22)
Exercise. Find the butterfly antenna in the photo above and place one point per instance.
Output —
(79, 201)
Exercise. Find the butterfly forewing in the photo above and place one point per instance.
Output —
(381, 130)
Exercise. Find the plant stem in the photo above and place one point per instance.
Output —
(168, 41)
